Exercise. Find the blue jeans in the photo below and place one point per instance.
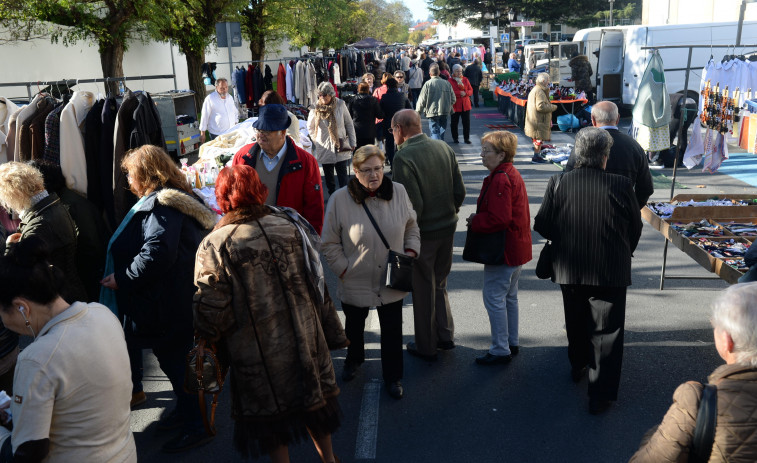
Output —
(438, 126)
(501, 301)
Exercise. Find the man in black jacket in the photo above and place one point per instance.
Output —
(627, 157)
(392, 101)
(475, 76)
(593, 221)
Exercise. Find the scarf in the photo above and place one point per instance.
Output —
(459, 81)
(326, 112)
(107, 295)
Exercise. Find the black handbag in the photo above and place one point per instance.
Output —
(544, 269)
(399, 267)
(205, 374)
(485, 248)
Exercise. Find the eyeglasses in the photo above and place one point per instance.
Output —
(390, 130)
(373, 170)
(488, 152)
(399, 77)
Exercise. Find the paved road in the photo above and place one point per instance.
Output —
(529, 411)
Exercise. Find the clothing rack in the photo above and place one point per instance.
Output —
(72, 82)
(687, 69)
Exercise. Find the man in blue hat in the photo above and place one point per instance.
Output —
(290, 173)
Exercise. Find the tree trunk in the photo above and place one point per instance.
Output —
(112, 61)
(194, 72)
(257, 41)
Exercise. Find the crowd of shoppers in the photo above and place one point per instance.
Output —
(252, 283)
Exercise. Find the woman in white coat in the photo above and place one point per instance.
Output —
(355, 252)
(330, 127)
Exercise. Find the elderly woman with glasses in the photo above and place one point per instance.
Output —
(734, 322)
(503, 205)
(333, 134)
(354, 251)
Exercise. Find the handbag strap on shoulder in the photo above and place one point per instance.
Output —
(483, 193)
(704, 432)
(375, 225)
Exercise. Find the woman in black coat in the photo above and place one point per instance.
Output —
(365, 109)
(392, 101)
(150, 279)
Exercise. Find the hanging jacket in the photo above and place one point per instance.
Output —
(652, 106)
(281, 84)
(268, 79)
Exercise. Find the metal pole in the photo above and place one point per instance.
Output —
(683, 119)
(611, 2)
(664, 261)
(173, 65)
(228, 44)
(742, 9)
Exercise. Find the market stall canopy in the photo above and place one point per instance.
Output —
(368, 42)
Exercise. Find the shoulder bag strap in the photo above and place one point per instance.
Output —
(375, 225)
(704, 432)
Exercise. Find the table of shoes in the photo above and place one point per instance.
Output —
(715, 232)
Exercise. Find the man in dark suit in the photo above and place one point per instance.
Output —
(627, 157)
(593, 221)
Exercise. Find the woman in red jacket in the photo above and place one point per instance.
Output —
(503, 205)
(463, 90)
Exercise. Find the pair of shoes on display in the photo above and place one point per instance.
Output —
(544, 146)
(412, 349)
(186, 440)
(395, 390)
(597, 406)
(350, 371)
(514, 350)
(536, 159)
(137, 399)
(490, 359)
(577, 374)
(657, 164)
(468, 142)
(445, 345)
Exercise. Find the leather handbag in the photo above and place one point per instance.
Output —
(205, 374)
(485, 248)
(544, 269)
(399, 267)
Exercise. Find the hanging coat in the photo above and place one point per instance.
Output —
(281, 82)
(268, 79)
(652, 106)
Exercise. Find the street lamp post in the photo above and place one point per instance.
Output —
(611, 2)
(510, 17)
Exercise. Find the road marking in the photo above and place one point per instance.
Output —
(373, 320)
(367, 428)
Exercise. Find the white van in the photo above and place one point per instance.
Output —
(622, 61)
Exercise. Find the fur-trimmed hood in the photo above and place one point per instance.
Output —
(359, 193)
(184, 203)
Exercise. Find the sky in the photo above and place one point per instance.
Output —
(418, 7)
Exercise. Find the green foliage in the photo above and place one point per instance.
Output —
(190, 23)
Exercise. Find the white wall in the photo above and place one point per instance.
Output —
(40, 60)
(659, 12)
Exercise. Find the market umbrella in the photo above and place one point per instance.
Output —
(368, 42)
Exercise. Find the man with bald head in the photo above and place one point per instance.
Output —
(429, 172)
(627, 157)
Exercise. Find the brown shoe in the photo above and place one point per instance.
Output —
(138, 398)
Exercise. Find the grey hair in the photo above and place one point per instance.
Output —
(325, 88)
(603, 117)
(221, 79)
(456, 67)
(542, 78)
(592, 147)
(735, 312)
(433, 70)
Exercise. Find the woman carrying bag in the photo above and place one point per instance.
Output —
(355, 251)
(502, 206)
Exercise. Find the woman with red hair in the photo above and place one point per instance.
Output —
(262, 299)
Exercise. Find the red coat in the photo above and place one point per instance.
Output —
(505, 206)
(281, 82)
(299, 184)
(462, 103)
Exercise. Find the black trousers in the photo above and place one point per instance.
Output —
(364, 141)
(341, 174)
(389, 147)
(465, 115)
(390, 319)
(475, 96)
(594, 319)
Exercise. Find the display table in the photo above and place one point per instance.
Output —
(515, 108)
(720, 218)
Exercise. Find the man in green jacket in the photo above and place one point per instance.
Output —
(429, 172)
(435, 102)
